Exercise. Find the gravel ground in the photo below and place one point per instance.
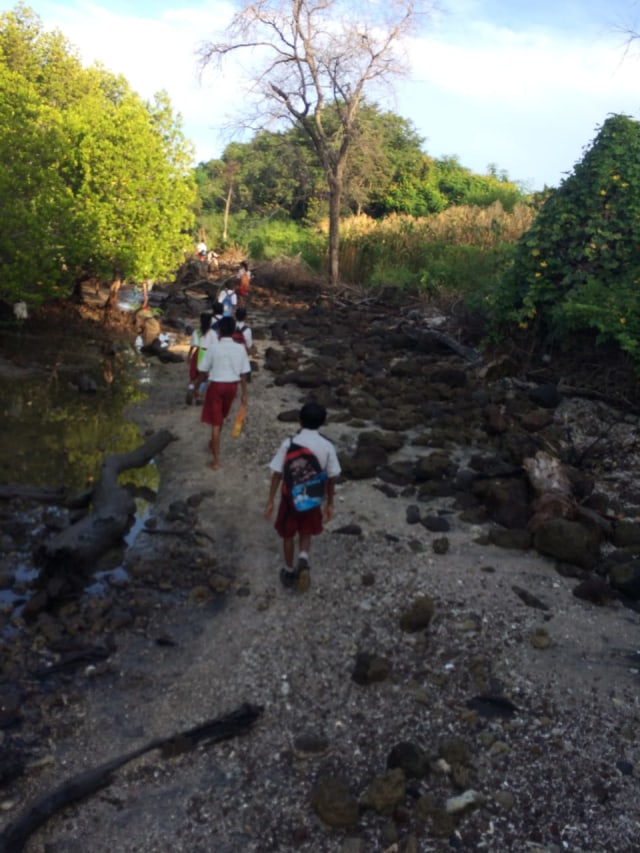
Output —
(549, 761)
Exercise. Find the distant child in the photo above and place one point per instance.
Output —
(292, 467)
(226, 365)
(201, 339)
(243, 329)
(244, 283)
(228, 299)
(218, 314)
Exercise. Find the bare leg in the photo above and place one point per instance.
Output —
(305, 542)
(215, 447)
(288, 546)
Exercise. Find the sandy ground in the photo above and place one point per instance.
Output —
(560, 775)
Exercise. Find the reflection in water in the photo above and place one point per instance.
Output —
(56, 426)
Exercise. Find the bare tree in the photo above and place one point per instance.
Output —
(311, 61)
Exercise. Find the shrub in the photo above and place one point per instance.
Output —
(578, 266)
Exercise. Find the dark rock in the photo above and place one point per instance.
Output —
(529, 598)
(440, 546)
(624, 767)
(506, 500)
(418, 616)
(364, 463)
(386, 489)
(596, 591)
(413, 514)
(334, 803)
(434, 466)
(546, 396)
(626, 534)
(495, 422)
(385, 792)
(489, 706)
(349, 530)
(568, 542)
(10, 702)
(389, 441)
(436, 524)
(292, 416)
(517, 539)
(451, 376)
(398, 473)
(625, 577)
(12, 764)
(370, 668)
(454, 750)
(310, 745)
(536, 420)
(410, 758)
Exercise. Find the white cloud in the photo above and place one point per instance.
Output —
(524, 96)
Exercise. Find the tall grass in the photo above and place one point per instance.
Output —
(465, 249)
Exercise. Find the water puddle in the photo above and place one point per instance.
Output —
(57, 423)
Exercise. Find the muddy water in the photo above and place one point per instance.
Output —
(63, 398)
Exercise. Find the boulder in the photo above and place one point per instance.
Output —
(568, 542)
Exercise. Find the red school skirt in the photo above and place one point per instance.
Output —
(218, 401)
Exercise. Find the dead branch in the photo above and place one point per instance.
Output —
(84, 784)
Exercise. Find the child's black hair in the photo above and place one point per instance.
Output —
(205, 322)
(312, 415)
(226, 327)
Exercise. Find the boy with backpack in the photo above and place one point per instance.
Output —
(228, 299)
(307, 467)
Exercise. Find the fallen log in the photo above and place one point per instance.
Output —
(15, 836)
(78, 546)
(432, 336)
(39, 494)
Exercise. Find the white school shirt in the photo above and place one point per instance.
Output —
(225, 361)
(321, 447)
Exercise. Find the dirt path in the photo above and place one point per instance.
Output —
(560, 774)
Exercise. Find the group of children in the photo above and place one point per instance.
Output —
(305, 467)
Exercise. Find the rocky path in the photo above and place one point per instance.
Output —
(430, 691)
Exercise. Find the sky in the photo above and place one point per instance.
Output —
(520, 85)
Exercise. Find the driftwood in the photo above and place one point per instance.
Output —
(79, 545)
(432, 336)
(40, 494)
(552, 486)
(84, 784)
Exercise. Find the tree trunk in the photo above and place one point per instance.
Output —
(114, 289)
(227, 210)
(77, 548)
(335, 193)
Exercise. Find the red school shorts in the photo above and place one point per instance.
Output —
(289, 521)
(218, 401)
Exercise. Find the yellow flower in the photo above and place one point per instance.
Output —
(537, 274)
(603, 192)
(623, 320)
(544, 264)
(523, 325)
(535, 253)
(616, 177)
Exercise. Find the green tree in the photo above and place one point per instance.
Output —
(578, 266)
(313, 55)
(93, 181)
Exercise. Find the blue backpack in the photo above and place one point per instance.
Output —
(227, 303)
(303, 478)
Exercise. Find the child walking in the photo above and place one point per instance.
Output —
(292, 522)
(201, 339)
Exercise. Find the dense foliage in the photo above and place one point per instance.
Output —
(93, 181)
(578, 266)
(277, 175)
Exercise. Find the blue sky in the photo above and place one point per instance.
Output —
(522, 85)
